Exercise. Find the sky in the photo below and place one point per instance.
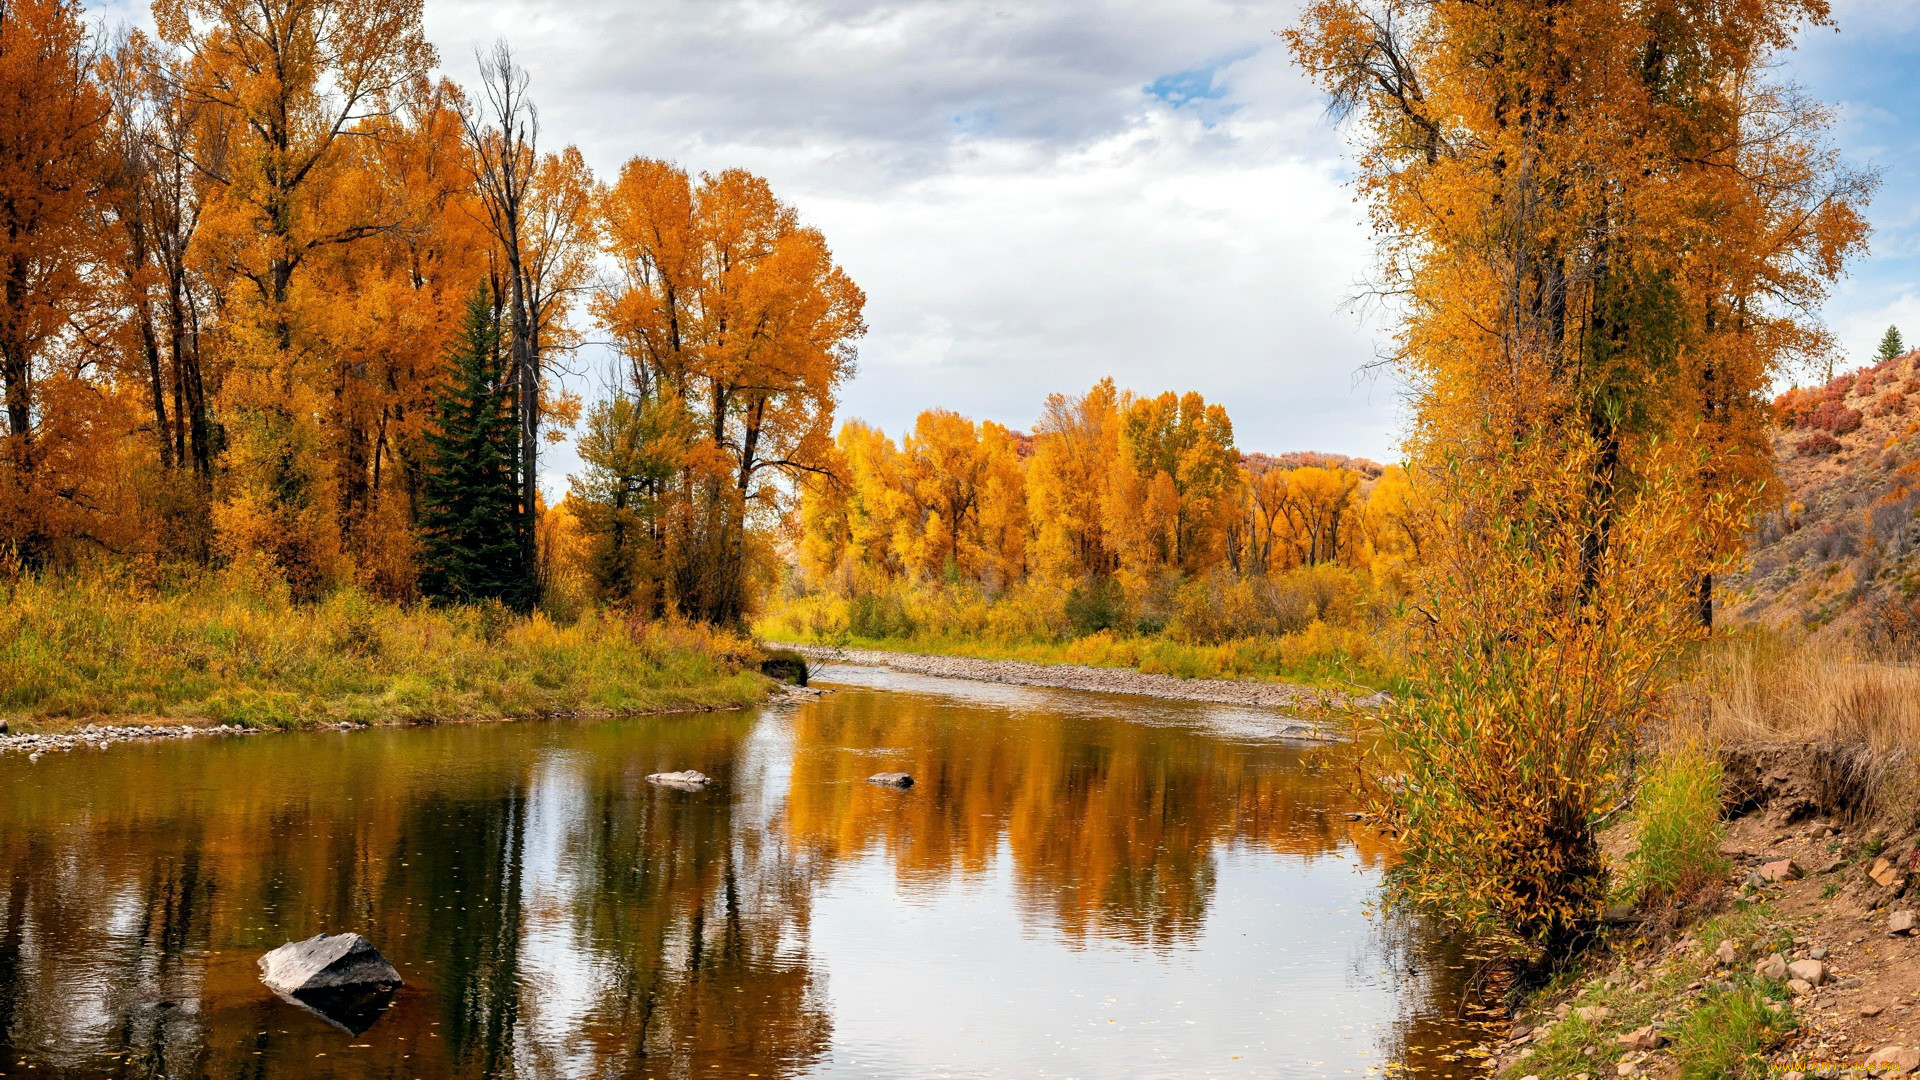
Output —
(1038, 193)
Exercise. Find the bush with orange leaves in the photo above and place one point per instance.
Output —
(1551, 612)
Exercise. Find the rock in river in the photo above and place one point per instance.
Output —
(690, 780)
(342, 977)
(891, 779)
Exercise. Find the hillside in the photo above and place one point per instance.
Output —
(1840, 554)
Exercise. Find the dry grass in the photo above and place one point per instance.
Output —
(228, 651)
(1762, 687)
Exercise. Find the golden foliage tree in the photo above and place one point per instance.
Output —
(53, 117)
(729, 305)
(1605, 228)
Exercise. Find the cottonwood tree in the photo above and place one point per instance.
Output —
(1606, 229)
(53, 115)
(728, 304)
(290, 86)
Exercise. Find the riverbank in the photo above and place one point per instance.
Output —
(1800, 961)
(220, 654)
(1107, 680)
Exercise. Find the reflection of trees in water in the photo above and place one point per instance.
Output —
(556, 915)
(660, 930)
(1112, 826)
(1449, 989)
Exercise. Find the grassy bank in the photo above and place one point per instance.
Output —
(1323, 635)
(76, 651)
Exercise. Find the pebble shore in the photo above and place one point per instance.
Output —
(1099, 679)
(101, 736)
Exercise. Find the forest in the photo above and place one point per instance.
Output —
(284, 304)
(1124, 529)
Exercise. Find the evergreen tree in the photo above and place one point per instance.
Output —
(1891, 346)
(471, 546)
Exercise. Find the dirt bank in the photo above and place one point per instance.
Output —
(1271, 695)
(1822, 859)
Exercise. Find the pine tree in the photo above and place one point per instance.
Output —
(1891, 346)
(472, 548)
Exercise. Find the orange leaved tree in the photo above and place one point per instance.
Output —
(1604, 226)
(732, 308)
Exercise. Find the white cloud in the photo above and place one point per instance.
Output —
(1023, 213)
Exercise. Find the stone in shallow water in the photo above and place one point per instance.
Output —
(341, 977)
(891, 779)
(690, 780)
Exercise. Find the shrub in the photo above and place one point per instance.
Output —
(1094, 605)
(1817, 444)
(871, 615)
(785, 665)
(1534, 670)
(1678, 810)
(1832, 416)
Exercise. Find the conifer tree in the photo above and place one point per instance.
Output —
(1891, 345)
(471, 546)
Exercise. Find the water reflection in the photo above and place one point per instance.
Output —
(1075, 884)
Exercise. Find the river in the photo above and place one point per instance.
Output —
(1078, 885)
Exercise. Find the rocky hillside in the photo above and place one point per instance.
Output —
(1841, 553)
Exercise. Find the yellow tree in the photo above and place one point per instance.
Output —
(1606, 230)
(294, 83)
(1178, 482)
(729, 304)
(1075, 443)
(969, 494)
(52, 119)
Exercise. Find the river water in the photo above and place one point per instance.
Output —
(1078, 885)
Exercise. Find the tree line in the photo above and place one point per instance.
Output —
(1109, 485)
(278, 295)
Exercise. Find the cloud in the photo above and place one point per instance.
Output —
(1032, 195)
(1037, 194)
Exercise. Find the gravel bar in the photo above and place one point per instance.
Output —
(101, 736)
(1100, 679)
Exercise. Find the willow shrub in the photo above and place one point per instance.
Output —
(1552, 609)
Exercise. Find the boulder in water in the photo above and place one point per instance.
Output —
(341, 977)
(690, 780)
(325, 962)
(891, 779)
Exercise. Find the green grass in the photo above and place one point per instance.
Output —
(1677, 808)
(94, 650)
(1722, 1031)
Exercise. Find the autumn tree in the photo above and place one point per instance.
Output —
(633, 450)
(1076, 442)
(1178, 482)
(52, 121)
(287, 86)
(967, 487)
(727, 303)
(1606, 228)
